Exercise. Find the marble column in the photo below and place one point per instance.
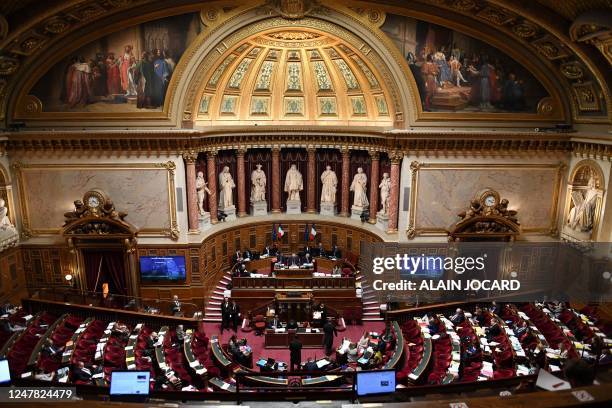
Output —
(212, 185)
(192, 195)
(276, 181)
(396, 160)
(241, 183)
(346, 183)
(374, 181)
(311, 205)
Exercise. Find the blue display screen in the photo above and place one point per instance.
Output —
(375, 382)
(130, 383)
(162, 268)
(5, 374)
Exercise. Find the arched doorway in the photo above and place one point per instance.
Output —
(103, 245)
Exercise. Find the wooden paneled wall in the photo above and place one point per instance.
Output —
(12, 278)
(205, 262)
(45, 266)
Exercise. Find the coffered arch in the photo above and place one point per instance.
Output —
(180, 106)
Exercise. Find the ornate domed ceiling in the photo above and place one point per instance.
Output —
(291, 75)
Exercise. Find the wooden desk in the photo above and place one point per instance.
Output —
(217, 351)
(193, 361)
(36, 351)
(293, 273)
(399, 347)
(75, 339)
(282, 340)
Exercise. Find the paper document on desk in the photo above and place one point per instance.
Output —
(225, 386)
(549, 382)
(322, 363)
(194, 364)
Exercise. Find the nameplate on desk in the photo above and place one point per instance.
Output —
(194, 364)
(281, 330)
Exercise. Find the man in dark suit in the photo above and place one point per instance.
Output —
(329, 332)
(175, 308)
(320, 250)
(180, 334)
(247, 255)
(237, 257)
(307, 250)
(81, 373)
(295, 348)
(50, 349)
(274, 323)
(225, 314)
(310, 365)
(235, 315)
(335, 252)
(267, 251)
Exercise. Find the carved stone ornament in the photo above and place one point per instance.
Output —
(95, 214)
(572, 70)
(292, 9)
(487, 215)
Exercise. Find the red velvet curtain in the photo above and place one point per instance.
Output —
(92, 266)
(114, 267)
(112, 271)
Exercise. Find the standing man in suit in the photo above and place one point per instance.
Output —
(176, 305)
(320, 251)
(225, 314)
(295, 348)
(329, 332)
(237, 257)
(335, 252)
(235, 315)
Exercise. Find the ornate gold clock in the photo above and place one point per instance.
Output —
(94, 200)
(488, 198)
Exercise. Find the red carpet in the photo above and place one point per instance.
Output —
(353, 333)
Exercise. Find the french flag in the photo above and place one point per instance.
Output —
(313, 233)
(280, 232)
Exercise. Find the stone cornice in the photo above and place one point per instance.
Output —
(184, 141)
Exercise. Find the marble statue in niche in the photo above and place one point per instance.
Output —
(226, 185)
(385, 193)
(258, 187)
(329, 180)
(202, 190)
(359, 187)
(5, 222)
(582, 214)
(294, 183)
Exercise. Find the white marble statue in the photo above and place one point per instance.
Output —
(330, 183)
(294, 183)
(258, 188)
(582, 215)
(4, 219)
(359, 187)
(202, 190)
(226, 184)
(385, 193)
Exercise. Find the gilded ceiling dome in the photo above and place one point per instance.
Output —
(286, 75)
